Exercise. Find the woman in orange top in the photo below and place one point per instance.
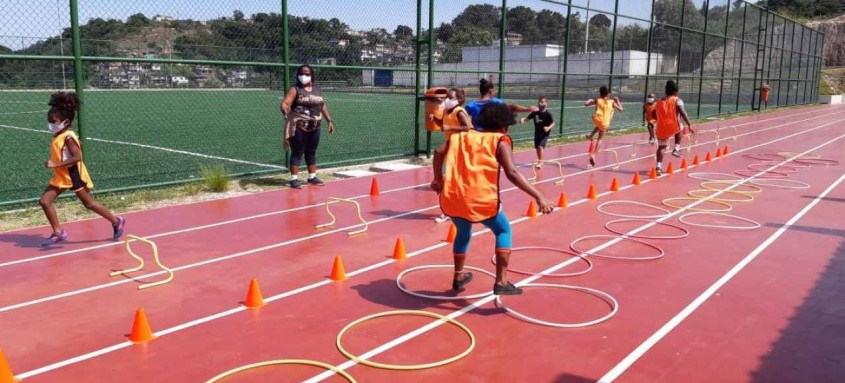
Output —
(455, 119)
(648, 116)
(469, 189)
(667, 111)
(69, 172)
(764, 94)
(602, 117)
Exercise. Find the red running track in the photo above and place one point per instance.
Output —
(40, 327)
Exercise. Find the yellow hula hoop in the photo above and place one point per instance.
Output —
(386, 366)
(754, 189)
(234, 371)
(727, 206)
(748, 197)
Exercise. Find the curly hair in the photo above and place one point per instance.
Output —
(64, 105)
(496, 116)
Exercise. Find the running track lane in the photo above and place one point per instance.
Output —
(481, 239)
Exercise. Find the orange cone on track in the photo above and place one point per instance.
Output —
(653, 174)
(399, 250)
(453, 232)
(374, 187)
(707, 157)
(338, 272)
(636, 180)
(614, 186)
(253, 299)
(696, 161)
(719, 153)
(532, 209)
(6, 375)
(141, 331)
(591, 193)
(670, 169)
(562, 202)
(684, 164)
(726, 150)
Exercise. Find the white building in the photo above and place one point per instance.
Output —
(530, 61)
(161, 18)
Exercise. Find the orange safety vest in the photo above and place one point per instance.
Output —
(58, 153)
(603, 113)
(667, 118)
(451, 120)
(649, 112)
(471, 175)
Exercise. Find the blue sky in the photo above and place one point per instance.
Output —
(37, 19)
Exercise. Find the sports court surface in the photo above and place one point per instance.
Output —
(730, 304)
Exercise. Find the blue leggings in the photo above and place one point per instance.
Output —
(499, 224)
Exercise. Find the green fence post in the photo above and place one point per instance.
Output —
(789, 72)
(780, 65)
(286, 44)
(649, 38)
(704, 36)
(807, 72)
(430, 80)
(418, 74)
(503, 34)
(612, 43)
(741, 54)
(724, 55)
(565, 66)
(680, 42)
(77, 67)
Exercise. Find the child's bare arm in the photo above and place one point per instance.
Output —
(437, 164)
(617, 104)
(549, 128)
(504, 155)
(590, 102)
(685, 116)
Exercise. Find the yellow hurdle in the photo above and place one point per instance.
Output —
(131, 238)
(715, 133)
(730, 127)
(331, 200)
(543, 162)
(615, 157)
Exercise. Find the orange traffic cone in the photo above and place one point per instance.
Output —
(532, 209)
(719, 153)
(562, 202)
(707, 157)
(670, 169)
(6, 375)
(591, 194)
(399, 249)
(453, 232)
(338, 272)
(141, 331)
(684, 164)
(726, 150)
(614, 186)
(253, 299)
(653, 174)
(636, 180)
(374, 187)
(696, 161)
(592, 147)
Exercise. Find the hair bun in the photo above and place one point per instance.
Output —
(65, 100)
(483, 81)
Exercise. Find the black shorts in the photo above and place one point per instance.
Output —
(540, 140)
(76, 180)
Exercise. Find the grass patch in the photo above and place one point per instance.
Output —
(215, 178)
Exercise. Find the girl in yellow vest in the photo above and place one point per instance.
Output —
(455, 119)
(468, 185)
(602, 117)
(69, 171)
(667, 112)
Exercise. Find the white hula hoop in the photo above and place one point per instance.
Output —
(684, 231)
(613, 257)
(755, 224)
(707, 176)
(441, 297)
(597, 293)
(549, 275)
(773, 182)
(665, 212)
(777, 168)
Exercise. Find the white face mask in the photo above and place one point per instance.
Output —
(649, 100)
(449, 103)
(53, 128)
(304, 79)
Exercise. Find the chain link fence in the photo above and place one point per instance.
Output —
(171, 87)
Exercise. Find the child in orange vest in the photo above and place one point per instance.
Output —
(455, 119)
(602, 117)
(668, 112)
(69, 171)
(468, 185)
(648, 116)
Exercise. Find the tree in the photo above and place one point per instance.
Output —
(523, 20)
(552, 25)
(238, 15)
(600, 21)
(465, 37)
(4, 49)
(403, 32)
(444, 32)
(138, 20)
(483, 16)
